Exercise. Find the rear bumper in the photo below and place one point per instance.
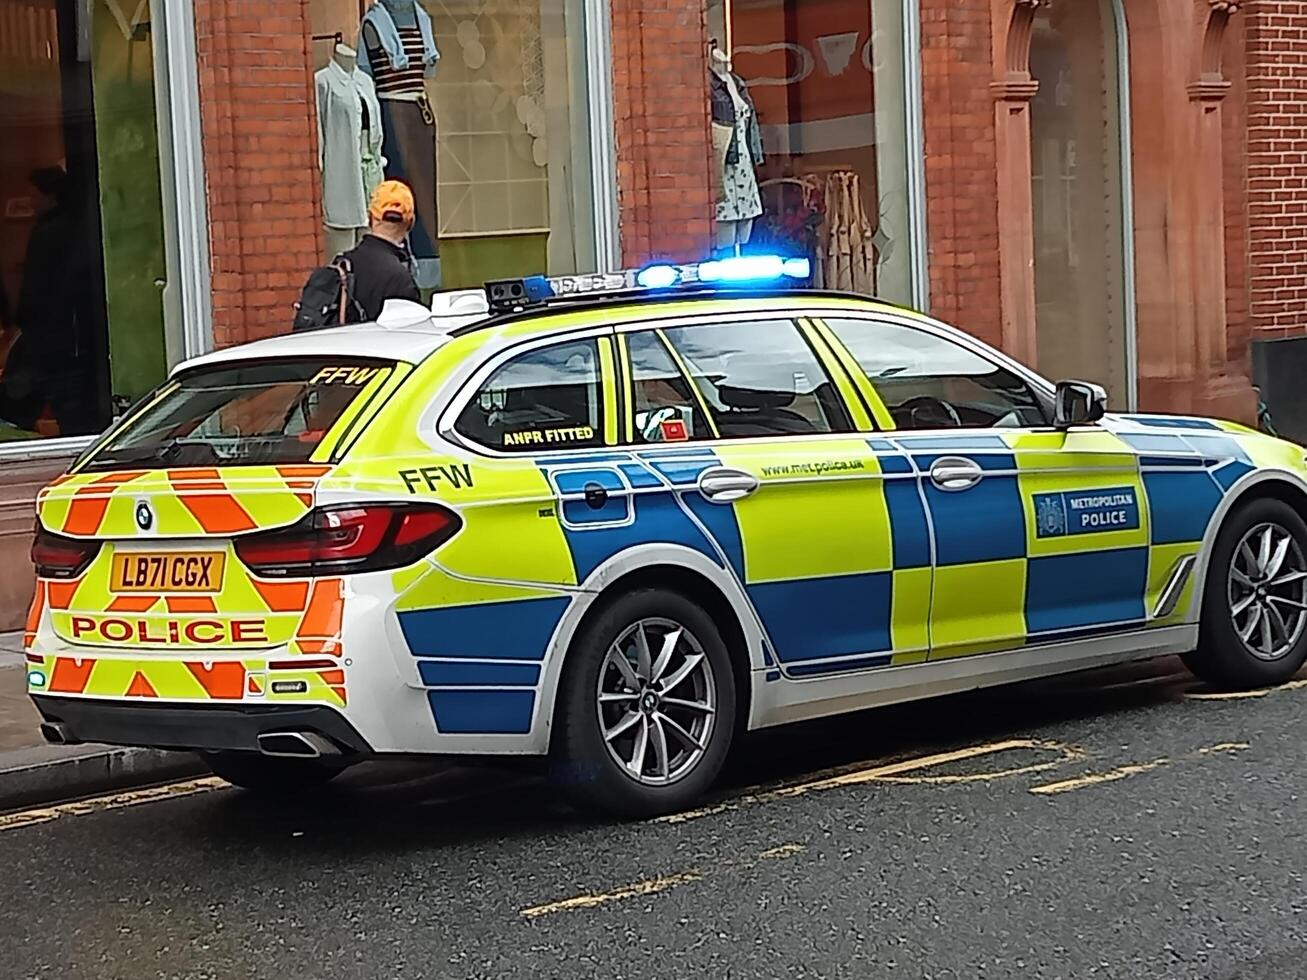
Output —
(213, 728)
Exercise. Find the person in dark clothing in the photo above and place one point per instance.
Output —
(42, 367)
(380, 262)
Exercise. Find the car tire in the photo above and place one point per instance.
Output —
(646, 704)
(269, 775)
(1253, 627)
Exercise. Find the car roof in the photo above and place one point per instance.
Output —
(357, 340)
(415, 341)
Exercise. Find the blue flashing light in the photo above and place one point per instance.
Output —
(658, 277)
(797, 268)
(753, 268)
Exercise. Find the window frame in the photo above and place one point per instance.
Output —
(1041, 387)
(611, 402)
(801, 319)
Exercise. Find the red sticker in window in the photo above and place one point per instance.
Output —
(674, 430)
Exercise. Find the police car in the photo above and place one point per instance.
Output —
(618, 520)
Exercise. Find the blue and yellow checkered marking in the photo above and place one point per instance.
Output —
(1066, 536)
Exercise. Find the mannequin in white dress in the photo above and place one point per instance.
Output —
(737, 152)
(349, 148)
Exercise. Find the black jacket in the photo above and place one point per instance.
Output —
(381, 272)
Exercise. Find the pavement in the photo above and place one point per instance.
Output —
(1120, 824)
(32, 772)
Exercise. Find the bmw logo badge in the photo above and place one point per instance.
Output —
(144, 516)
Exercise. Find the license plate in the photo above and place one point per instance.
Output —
(167, 572)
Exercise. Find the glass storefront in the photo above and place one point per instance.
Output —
(480, 108)
(810, 137)
(82, 258)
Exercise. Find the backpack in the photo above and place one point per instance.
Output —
(327, 299)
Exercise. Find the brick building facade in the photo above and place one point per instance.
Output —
(1219, 171)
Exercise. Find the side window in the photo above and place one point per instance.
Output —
(759, 379)
(664, 405)
(550, 398)
(929, 382)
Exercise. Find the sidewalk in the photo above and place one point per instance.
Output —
(34, 773)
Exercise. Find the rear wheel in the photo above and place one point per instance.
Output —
(1254, 618)
(646, 708)
(270, 775)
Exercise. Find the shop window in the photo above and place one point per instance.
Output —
(929, 382)
(759, 379)
(809, 123)
(479, 110)
(543, 400)
(82, 261)
(1079, 208)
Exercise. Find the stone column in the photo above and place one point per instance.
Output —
(1013, 89)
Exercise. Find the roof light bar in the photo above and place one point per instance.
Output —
(736, 271)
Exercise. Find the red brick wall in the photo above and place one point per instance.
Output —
(660, 100)
(1276, 50)
(260, 139)
(961, 165)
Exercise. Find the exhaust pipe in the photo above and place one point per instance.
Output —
(296, 745)
(57, 733)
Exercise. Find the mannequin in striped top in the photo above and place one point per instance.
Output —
(398, 50)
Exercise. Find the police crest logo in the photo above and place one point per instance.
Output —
(1050, 515)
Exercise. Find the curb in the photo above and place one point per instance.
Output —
(52, 774)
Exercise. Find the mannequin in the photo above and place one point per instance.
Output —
(398, 50)
(737, 143)
(349, 148)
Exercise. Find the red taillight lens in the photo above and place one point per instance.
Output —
(61, 558)
(341, 540)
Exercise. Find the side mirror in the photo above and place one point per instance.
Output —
(1078, 403)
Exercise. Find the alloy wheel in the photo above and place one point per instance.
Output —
(1268, 591)
(657, 701)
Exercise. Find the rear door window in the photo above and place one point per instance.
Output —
(759, 379)
(255, 413)
(545, 399)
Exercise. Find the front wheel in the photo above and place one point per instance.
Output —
(269, 775)
(1253, 631)
(646, 709)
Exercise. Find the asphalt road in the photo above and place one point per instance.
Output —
(1115, 825)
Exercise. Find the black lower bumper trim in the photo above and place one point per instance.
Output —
(212, 727)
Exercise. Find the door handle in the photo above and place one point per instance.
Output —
(953, 473)
(723, 486)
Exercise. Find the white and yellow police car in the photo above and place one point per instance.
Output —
(617, 520)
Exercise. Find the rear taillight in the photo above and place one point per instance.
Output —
(341, 540)
(61, 558)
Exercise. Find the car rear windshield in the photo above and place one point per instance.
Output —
(246, 414)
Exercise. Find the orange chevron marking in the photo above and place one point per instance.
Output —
(61, 594)
(90, 503)
(283, 596)
(133, 603)
(303, 472)
(34, 613)
(71, 676)
(223, 682)
(218, 512)
(141, 687)
(333, 677)
(322, 618)
(192, 604)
